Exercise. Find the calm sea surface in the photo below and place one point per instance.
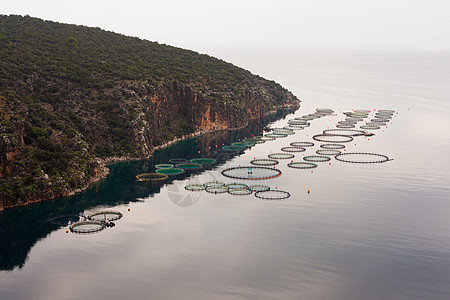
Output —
(365, 231)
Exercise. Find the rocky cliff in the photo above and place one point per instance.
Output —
(73, 97)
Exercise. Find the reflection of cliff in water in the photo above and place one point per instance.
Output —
(22, 227)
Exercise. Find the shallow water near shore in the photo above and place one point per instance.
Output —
(365, 231)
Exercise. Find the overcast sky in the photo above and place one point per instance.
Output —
(193, 24)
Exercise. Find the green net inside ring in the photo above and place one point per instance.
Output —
(235, 185)
(216, 189)
(214, 183)
(203, 161)
(268, 138)
(276, 135)
(332, 146)
(258, 187)
(153, 177)
(163, 166)
(281, 155)
(194, 187)
(302, 165)
(328, 152)
(239, 191)
(170, 171)
(264, 162)
(316, 158)
(369, 127)
(108, 215)
(293, 149)
(189, 166)
(234, 148)
(302, 144)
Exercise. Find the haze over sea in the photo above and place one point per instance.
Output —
(366, 231)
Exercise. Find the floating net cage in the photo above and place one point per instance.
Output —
(264, 162)
(344, 126)
(307, 117)
(272, 195)
(388, 111)
(239, 191)
(234, 148)
(375, 124)
(255, 140)
(151, 177)
(189, 166)
(293, 149)
(376, 120)
(163, 166)
(332, 138)
(296, 127)
(86, 227)
(251, 172)
(245, 144)
(383, 117)
(348, 122)
(328, 152)
(195, 187)
(302, 165)
(362, 158)
(369, 127)
(203, 161)
(268, 138)
(214, 183)
(315, 116)
(297, 122)
(216, 189)
(281, 155)
(345, 132)
(65, 219)
(236, 185)
(276, 135)
(332, 146)
(324, 110)
(176, 161)
(302, 144)
(170, 171)
(316, 158)
(258, 187)
(108, 215)
(354, 119)
(283, 131)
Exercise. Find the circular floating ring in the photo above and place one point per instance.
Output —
(333, 138)
(163, 166)
(302, 144)
(332, 146)
(108, 215)
(308, 118)
(325, 110)
(189, 166)
(281, 155)
(203, 161)
(328, 152)
(380, 120)
(375, 124)
(86, 227)
(176, 161)
(195, 187)
(297, 122)
(236, 185)
(345, 126)
(276, 135)
(258, 187)
(369, 127)
(170, 171)
(264, 162)
(244, 144)
(374, 157)
(351, 119)
(152, 177)
(216, 189)
(302, 165)
(297, 127)
(283, 131)
(233, 148)
(272, 195)
(65, 219)
(239, 191)
(315, 116)
(316, 158)
(214, 183)
(251, 172)
(362, 111)
(293, 149)
(267, 138)
(347, 122)
(344, 132)
(383, 117)
(386, 111)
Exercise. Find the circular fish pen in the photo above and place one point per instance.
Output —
(316, 158)
(344, 126)
(234, 148)
(163, 166)
(203, 161)
(296, 127)
(302, 144)
(375, 124)
(387, 111)
(86, 227)
(345, 132)
(332, 138)
(239, 191)
(297, 122)
(244, 144)
(66, 219)
(272, 195)
(108, 215)
(264, 162)
(214, 183)
(281, 155)
(236, 185)
(283, 131)
(332, 146)
(328, 152)
(216, 189)
(189, 166)
(258, 187)
(302, 165)
(195, 187)
(276, 135)
(251, 173)
(170, 171)
(267, 138)
(380, 120)
(293, 149)
(362, 158)
(151, 177)
(176, 161)
(369, 127)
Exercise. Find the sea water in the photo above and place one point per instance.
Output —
(363, 231)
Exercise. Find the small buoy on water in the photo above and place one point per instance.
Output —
(329, 164)
(309, 191)
(67, 231)
(129, 209)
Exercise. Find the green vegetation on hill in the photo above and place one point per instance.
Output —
(72, 94)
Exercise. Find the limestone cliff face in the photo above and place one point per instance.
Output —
(74, 98)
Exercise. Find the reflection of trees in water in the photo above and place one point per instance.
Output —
(22, 227)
